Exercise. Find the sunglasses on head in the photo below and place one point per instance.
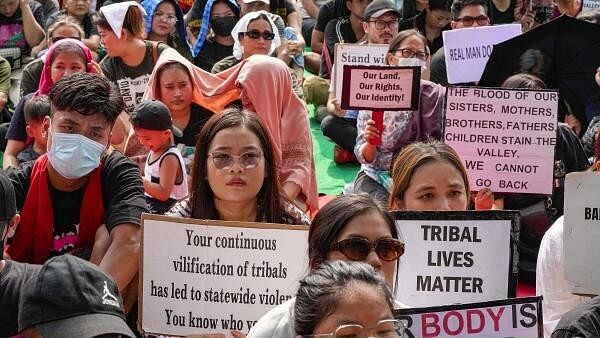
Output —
(256, 34)
(357, 248)
(58, 38)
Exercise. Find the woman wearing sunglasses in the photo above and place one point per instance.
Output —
(255, 33)
(339, 231)
(235, 174)
(341, 300)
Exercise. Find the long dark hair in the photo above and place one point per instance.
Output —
(202, 197)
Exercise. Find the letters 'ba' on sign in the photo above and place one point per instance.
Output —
(505, 137)
(516, 317)
(449, 254)
(202, 276)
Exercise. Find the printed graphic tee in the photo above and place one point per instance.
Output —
(11, 28)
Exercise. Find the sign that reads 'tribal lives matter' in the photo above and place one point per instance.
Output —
(516, 317)
(449, 256)
(381, 88)
(505, 137)
(202, 276)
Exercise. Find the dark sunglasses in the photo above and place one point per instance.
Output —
(255, 34)
(468, 21)
(357, 249)
(58, 38)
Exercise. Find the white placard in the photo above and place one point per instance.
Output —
(355, 55)
(516, 317)
(467, 50)
(449, 261)
(505, 137)
(582, 232)
(590, 5)
(213, 277)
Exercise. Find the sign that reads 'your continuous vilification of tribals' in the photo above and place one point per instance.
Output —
(516, 317)
(505, 137)
(449, 254)
(381, 88)
(202, 276)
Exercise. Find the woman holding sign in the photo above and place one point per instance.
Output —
(400, 128)
(338, 232)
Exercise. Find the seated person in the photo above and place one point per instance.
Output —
(78, 187)
(582, 321)
(22, 23)
(164, 22)
(210, 49)
(165, 178)
(80, 11)
(36, 109)
(431, 22)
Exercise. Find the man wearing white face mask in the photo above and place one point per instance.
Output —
(79, 186)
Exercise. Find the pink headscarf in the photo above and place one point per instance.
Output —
(46, 79)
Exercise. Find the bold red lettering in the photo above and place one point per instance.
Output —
(496, 317)
(425, 324)
(461, 323)
(470, 328)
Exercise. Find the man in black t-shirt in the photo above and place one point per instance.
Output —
(79, 187)
(21, 23)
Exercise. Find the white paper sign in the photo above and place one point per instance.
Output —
(505, 137)
(516, 317)
(467, 50)
(213, 277)
(355, 54)
(450, 261)
(582, 232)
(590, 5)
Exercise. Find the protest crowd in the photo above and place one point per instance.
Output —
(329, 125)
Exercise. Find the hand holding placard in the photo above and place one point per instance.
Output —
(374, 128)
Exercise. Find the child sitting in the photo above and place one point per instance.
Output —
(165, 178)
(35, 110)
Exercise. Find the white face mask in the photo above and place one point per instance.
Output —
(74, 156)
(412, 62)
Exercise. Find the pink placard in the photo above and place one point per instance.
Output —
(381, 88)
(505, 137)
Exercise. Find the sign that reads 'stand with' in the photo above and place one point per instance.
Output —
(202, 276)
(468, 50)
(505, 137)
(589, 5)
(351, 54)
(381, 88)
(581, 232)
(516, 317)
(449, 254)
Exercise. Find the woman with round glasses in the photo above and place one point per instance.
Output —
(164, 22)
(235, 174)
(341, 300)
(349, 228)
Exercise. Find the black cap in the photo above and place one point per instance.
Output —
(72, 298)
(378, 8)
(153, 115)
(8, 204)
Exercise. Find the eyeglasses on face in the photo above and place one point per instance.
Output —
(468, 21)
(409, 53)
(224, 161)
(58, 38)
(256, 34)
(382, 24)
(169, 18)
(357, 248)
(388, 328)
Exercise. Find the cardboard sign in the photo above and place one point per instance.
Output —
(581, 232)
(457, 256)
(468, 50)
(505, 137)
(381, 88)
(517, 317)
(350, 54)
(201, 276)
(589, 5)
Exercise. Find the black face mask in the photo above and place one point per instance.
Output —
(224, 25)
(543, 14)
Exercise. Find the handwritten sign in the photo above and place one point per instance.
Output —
(349, 54)
(468, 50)
(517, 317)
(202, 276)
(381, 88)
(505, 137)
(449, 254)
(582, 232)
